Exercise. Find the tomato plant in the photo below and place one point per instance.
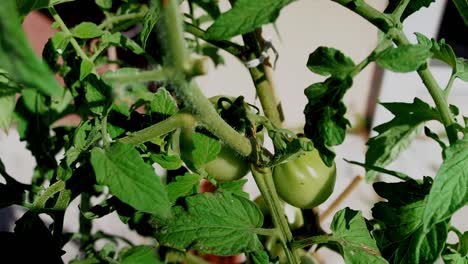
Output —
(128, 72)
(305, 182)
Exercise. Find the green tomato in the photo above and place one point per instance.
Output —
(228, 165)
(305, 182)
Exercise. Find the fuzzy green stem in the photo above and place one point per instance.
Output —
(310, 241)
(187, 90)
(382, 21)
(85, 224)
(231, 47)
(264, 180)
(263, 80)
(65, 29)
(110, 21)
(181, 119)
(400, 9)
(449, 86)
(267, 232)
(173, 37)
(386, 24)
(141, 76)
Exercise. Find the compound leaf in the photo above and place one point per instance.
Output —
(396, 135)
(450, 189)
(329, 61)
(245, 17)
(130, 179)
(404, 58)
(215, 223)
(353, 239)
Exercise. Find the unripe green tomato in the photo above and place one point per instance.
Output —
(227, 166)
(305, 182)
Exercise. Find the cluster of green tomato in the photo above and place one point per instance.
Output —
(304, 183)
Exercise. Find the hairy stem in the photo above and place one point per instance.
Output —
(400, 9)
(263, 179)
(262, 79)
(187, 90)
(65, 29)
(181, 119)
(310, 241)
(110, 21)
(231, 47)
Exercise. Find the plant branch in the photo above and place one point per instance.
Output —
(140, 76)
(181, 119)
(382, 21)
(386, 24)
(65, 29)
(231, 47)
(310, 241)
(264, 180)
(400, 9)
(187, 90)
(110, 21)
(263, 79)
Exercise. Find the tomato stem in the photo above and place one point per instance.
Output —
(187, 90)
(181, 119)
(264, 180)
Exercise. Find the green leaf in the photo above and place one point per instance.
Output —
(324, 115)
(7, 107)
(259, 257)
(329, 61)
(26, 6)
(396, 135)
(130, 179)
(85, 135)
(170, 162)
(98, 94)
(140, 255)
(450, 189)
(7, 86)
(119, 40)
(353, 239)
(205, 149)
(215, 223)
(163, 103)
(183, 186)
(54, 48)
(234, 187)
(86, 67)
(404, 58)
(86, 30)
(104, 4)
(18, 59)
(150, 20)
(245, 17)
(462, 6)
(400, 233)
(462, 69)
(411, 8)
(288, 146)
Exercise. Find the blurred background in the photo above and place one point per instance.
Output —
(301, 28)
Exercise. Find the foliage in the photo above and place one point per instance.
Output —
(131, 117)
